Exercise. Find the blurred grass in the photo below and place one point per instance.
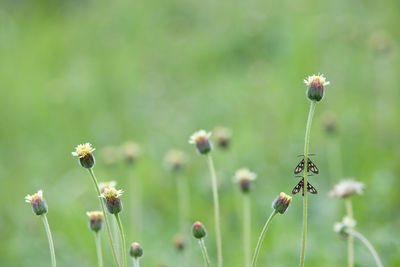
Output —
(154, 72)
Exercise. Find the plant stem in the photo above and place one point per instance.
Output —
(204, 252)
(365, 241)
(306, 149)
(246, 229)
(96, 185)
(261, 238)
(350, 239)
(50, 239)
(121, 230)
(216, 209)
(136, 262)
(98, 249)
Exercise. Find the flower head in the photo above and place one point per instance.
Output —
(111, 198)
(175, 159)
(223, 136)
(136, 251)
(109, 155)
(281, 203)
(244, 177)
(346, 188)
(179, 242)
(95, 220)
(131, 151)
(343, 226)
(84, 154)
(198, 230)
(202, 141)
(315, 87)
(38, 203)
(105, 185)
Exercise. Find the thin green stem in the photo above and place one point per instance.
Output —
(96, 185)
(116, 238)
(98, 249)
(350, 239)
(50, 239)
(204, 252)
(365, 241)
(136, 262)
(261, 238)
(121, 230)
(216, 209)
(306, 149)
(246, 229)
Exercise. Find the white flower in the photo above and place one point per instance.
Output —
(319, 79)
(30, 198)
(198, 136)
(105, 185)
(94, 214)
(111, 193)
(347, 188)
(83, 150)
(244, 174)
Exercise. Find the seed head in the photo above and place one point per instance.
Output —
(179, 243)
(222, 136)
(105, 185)
(202, 141)
(85, 156)
(95, 220)
(175, 160)
(112, 200)
(343, 226)
(38, 203)
(131, 151)
(347, 188)
(281, 203)
(136, 251)
(244, 177)
(315, 87)
(198, 230)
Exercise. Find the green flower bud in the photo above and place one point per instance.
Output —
(202, 141)
(136, 251)
(95, 220)
(223, 137)
(198, 230)
(111, 200)
(315, 87)
(85, 156)
(281, 203)
(179, 243)
(38, 203)
(245, 179)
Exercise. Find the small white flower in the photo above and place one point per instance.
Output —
(319, 79)
(94, 214)
(105, 185)
(198, 136)
(347, 188)
(111, 193)
(30, 198)
(244, 174)
(346, 223)
(82, 150)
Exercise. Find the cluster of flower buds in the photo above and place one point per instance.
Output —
(136, 251)
(111, 200)
(244, 177)
(315, 87)
(281, 203)
(84, 152)
(202, 141)
(38, 203)
(95, 220)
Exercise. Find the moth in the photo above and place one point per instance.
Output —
(311, 189)
(310, 167)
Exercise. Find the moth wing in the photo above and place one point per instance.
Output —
(300, 167)
(311, 166)
(311, 189)
(298, 187)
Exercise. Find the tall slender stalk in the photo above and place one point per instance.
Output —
(50, 239)
(204, 252)
(96, 185)
(136, 262)
(216, 208)
(261, 238)
(98, 249)
(306, 149)
(246, 229)
(350, 239)
(121, 230)
(365, 241)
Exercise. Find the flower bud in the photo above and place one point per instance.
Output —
(111, 199)
(202, 141)
(85, 156)
(315, 87)
(223, 136)
(136, 251)
(281, 203)
(95, 220)
(244, 178)
(174, 160)
(131, 151)
(198, 230)
(179, 243)
(38, 203)
(342, 227)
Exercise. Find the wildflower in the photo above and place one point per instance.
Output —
(131, 151)
(85, 156)
(179, 242)
(281, 203)
(95, 220)
(109, 155)
(244, 177)
(112, 200)
(174, 160)
(202, 141)
(198, 230)
(316, 85)
(136, 251)
(343, 226)
(105, 185)
(38, 203)
(346, 188)
(223, 136)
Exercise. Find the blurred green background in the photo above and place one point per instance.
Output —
(153, 72)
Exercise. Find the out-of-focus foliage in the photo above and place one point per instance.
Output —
(154, 72)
